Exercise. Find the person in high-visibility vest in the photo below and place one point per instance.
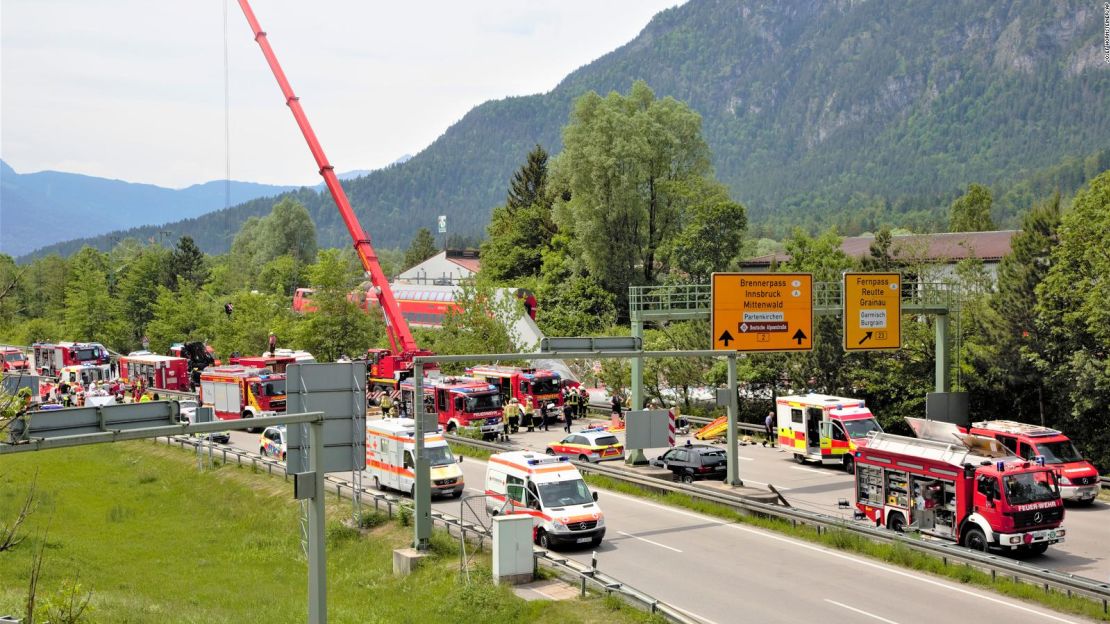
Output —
(529, 414)
(387, 405)
(512, 415)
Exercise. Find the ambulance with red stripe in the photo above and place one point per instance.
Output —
(391, 453)
(551, 490)
(825, 429)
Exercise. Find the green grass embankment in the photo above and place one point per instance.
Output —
(157, 541)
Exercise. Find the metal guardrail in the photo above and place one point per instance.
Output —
(582, 575)
(994, 564)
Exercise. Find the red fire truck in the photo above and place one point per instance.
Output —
(524, 384)
(1079, 479)
(458, 402)
(968, 489)
(51, 358)
(242, 392)
(156, 371)
(276, 364)
(12, 360)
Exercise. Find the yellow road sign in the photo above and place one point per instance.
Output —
(762, 311)
(872, 311)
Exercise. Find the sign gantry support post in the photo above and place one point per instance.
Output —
(733, 455)
(422, 493)
(317, 559)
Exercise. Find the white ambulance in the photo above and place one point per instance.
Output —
(550, 489)
(390, 452)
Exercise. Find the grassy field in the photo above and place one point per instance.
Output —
(156, 541)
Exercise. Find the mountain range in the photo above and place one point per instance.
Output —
(817, 113)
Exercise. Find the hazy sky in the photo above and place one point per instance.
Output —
(133, 89)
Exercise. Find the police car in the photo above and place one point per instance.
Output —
(272, 442)
(591, 445)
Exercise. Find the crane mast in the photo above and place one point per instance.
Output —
(400, 337)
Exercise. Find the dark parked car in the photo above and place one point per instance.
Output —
(698, 461)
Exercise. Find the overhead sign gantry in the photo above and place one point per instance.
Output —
(872, 311)
(762, 311)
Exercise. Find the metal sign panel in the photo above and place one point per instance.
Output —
(595, 343)
(872, 311)
(762, 312)
(339, 390)
(78, 420)
(646, 429)
(12, 382)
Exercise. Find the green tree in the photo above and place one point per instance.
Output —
(1074, 320)
(188, 262)
(12, 287)
(89, 309)
(482, 324)
(184, 315)
(338, 327)
(712, 234)
(520, 230)
(248, 329)
(422, 247)
(971, 212)
(528, 184)
(627, 161)
(289, 229)
(281, 275)
(880, 259)
(138, 290)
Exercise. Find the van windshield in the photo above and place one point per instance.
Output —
(1031, 487)
(439, 456)
(1062, 452)
(861, 427)
(483, 402)
(13, 357)
(563, 493)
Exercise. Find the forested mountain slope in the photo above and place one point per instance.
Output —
(816, 112)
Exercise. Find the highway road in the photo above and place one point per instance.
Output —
(1086, 551)
(726, 572)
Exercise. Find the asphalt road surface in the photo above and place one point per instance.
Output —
(722, 572)
(1085, 552)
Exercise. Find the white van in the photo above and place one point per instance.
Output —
(549, 489)
(390, 448)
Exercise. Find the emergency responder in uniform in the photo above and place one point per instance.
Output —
(570, 405)
(512, 415)
(387, 405)
(529, 415)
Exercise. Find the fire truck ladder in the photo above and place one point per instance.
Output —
(682, 302)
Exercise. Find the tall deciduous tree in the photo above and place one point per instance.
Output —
(138, 290)
(627, 161)
(338, 326)
(1072, 315)
(89, 306)
(422, 247)
(182, 316)
(971, 212)
(712, 232)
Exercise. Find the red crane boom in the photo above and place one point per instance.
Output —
(400, 337)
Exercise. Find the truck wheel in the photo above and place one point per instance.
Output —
(849, 464)
(799, 458)
(543, 540)
(896, 522)
(975, 539)
(687, 478)
(377, 484)
(456, 494)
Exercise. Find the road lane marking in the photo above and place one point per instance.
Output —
(644, 539)
(915, 577)
(821, 472)
(860, 611)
